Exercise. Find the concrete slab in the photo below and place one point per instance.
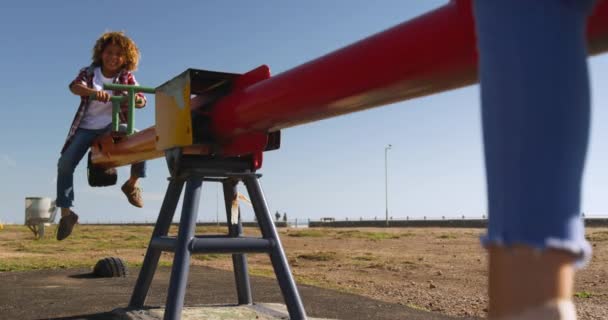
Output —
(258, 311)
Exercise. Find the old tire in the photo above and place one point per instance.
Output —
(99, 177)
(110, 267)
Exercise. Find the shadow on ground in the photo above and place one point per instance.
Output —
(75, 294)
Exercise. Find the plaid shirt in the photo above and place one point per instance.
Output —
(85, 77)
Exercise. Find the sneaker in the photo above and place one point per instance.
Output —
(552, 310)
(66, 225)
(133, 194)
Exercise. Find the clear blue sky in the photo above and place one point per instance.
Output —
(331, 168)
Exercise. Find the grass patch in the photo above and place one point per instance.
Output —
(448, 236)
(39, 263)
(583, 294)
(364, 258)
(321, 283)
(209, 257)
(378, 265)
(301, 279)
(83, 248)
(318, 256)
(389, 266)
(211, 230)
(406, 234)
(311, 233)
(161, 263)
(598, 236)
(261, 272)
(374, 236)
(66, 261)
(416, 307)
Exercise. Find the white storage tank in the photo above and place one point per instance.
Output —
(39, 212)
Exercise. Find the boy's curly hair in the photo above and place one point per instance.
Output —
(120, 39)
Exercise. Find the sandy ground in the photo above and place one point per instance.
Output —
(436, 269)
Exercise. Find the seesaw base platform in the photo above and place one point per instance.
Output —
(258, 311)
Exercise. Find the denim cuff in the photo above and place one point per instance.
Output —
(573, 241)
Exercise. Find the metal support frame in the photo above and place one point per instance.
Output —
(235, 229)
(192, 172)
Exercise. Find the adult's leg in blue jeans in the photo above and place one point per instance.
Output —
(535, 109)
(81, 141)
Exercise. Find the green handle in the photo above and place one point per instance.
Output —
(126, 87)
(117, 100)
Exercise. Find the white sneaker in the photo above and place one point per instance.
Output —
(552, 310)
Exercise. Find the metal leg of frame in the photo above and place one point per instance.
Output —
(181, 260)
(277, 257)
(163, 223)
(235, 229)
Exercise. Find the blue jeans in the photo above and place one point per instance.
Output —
(81, 142)
(536, 114)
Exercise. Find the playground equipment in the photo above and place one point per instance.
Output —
(215, 126)
(39, 213)
(110, 267)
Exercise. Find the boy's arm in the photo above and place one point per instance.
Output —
(79, 87)
(81, 90)
(84, 91)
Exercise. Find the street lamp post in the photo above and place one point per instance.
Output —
(388, 147)
(217, 204)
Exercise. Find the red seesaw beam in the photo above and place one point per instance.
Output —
(429, 54)
(432, 53)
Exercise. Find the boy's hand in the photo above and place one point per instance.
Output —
(139, 102)
(102, 96)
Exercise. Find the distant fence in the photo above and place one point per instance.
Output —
(444, 223)
(440, 223)
(596, 222)
(448, 223)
